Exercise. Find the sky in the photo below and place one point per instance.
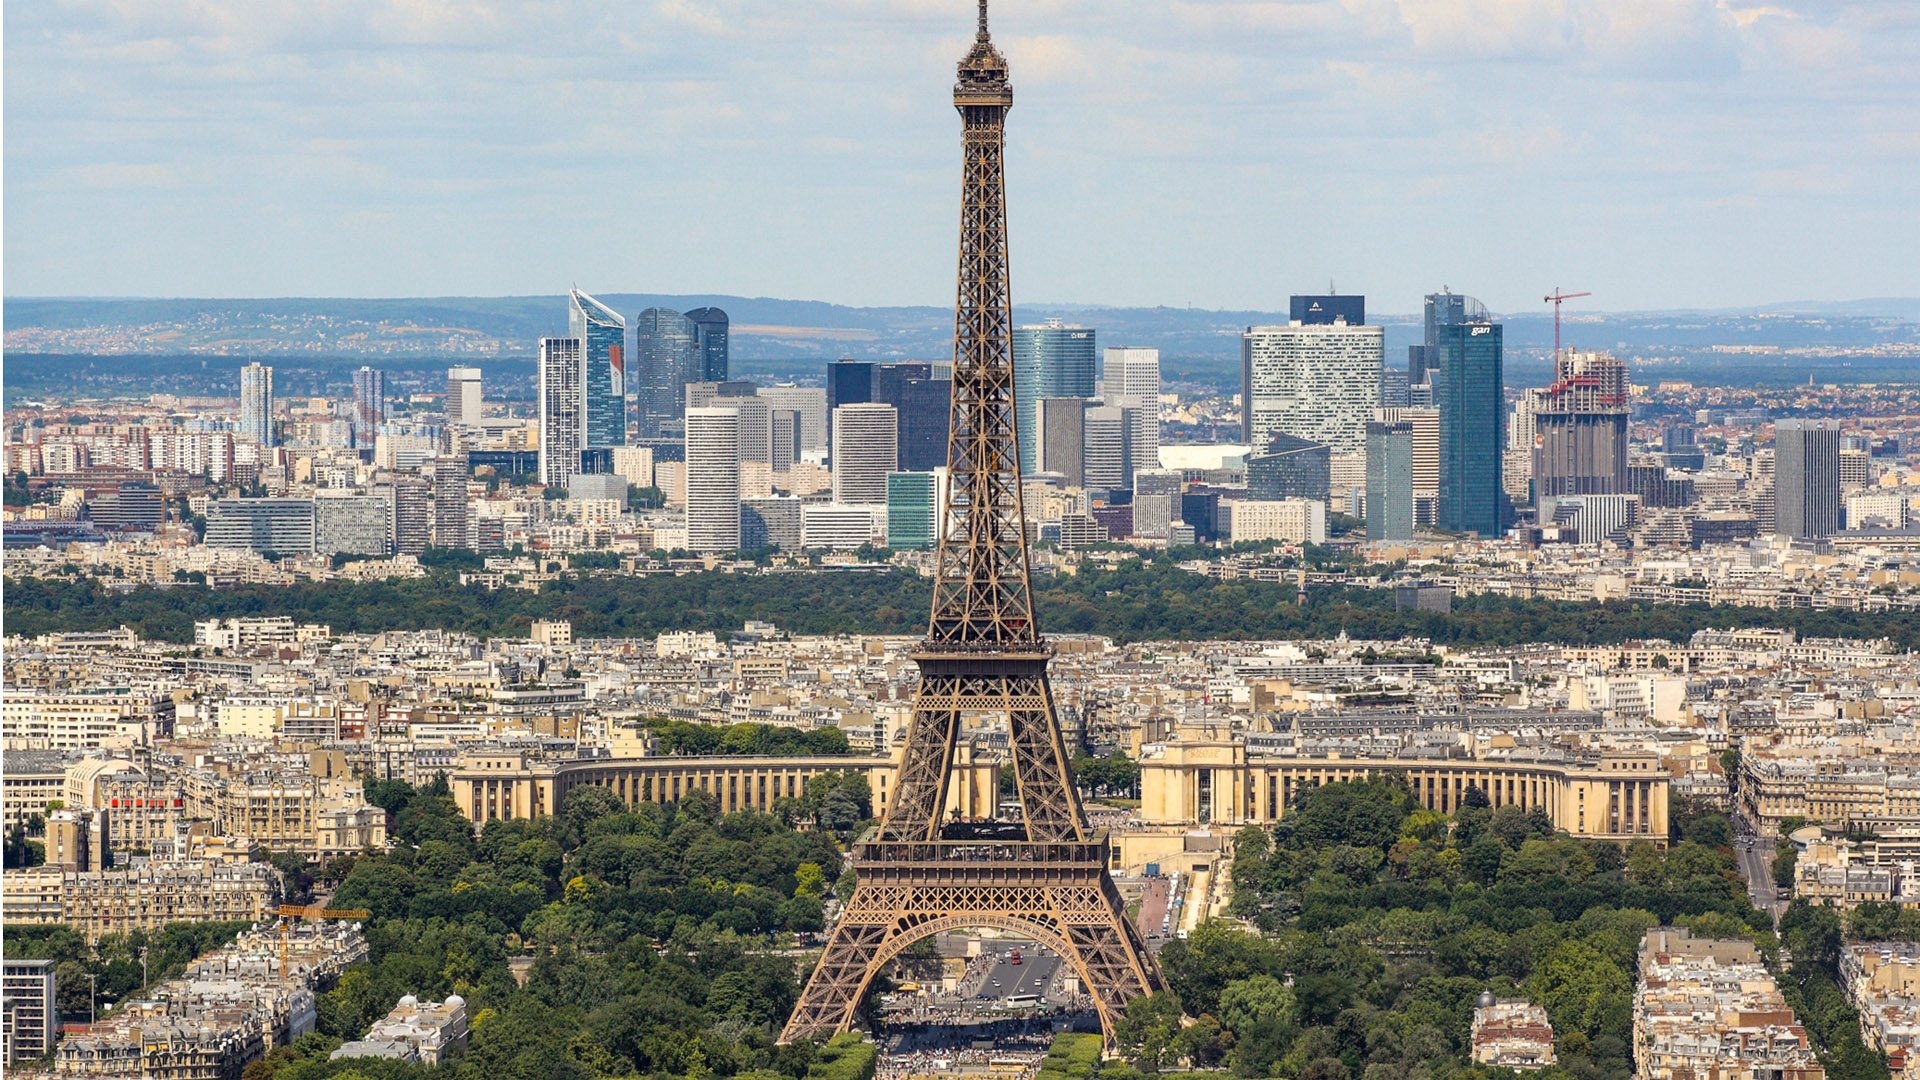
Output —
(1218, 154)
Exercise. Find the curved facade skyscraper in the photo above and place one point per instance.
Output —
(602, 334)
(1053, 360)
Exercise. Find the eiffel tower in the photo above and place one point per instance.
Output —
(1044, 877)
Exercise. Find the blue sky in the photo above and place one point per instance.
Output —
(1660, 153)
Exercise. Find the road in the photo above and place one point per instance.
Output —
(1756, 864)
(1031, 976)
(1155, 897)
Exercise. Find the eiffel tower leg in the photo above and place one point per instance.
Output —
(832, 996)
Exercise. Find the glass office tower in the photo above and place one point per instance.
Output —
(709, 344)
(603, 379)
(1467, 395)
(1054, 360)
(663, 354)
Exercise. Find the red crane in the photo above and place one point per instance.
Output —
(1555, 300)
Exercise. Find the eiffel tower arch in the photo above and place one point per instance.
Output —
(1045, 875)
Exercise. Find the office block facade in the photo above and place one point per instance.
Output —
(713, 480)
(1319, 382)
(710, 327)
(350, 524)
(865, 450)
(663, 348)
(912, 524)
(1580, 428)
(1053, 360)
(263, 526)
(1390, 515)
(1468, 395)
(464, 395)
(369, 404)
(1806, 478)
(1289, 468)
(1132, 381)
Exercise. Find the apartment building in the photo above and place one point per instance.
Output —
(144, 895)
(1710, 1008)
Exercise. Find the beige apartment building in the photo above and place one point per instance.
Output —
(146, 896)
(110, 718)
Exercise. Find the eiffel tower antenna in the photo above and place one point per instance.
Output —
(1044, 876)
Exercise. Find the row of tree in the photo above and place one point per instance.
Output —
(1150, 599)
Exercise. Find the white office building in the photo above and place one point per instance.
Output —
(865, 449)
(841, 526)
(713, 480)
(1319, 382)
(1132, 380)
(1292, 520)
(463, 395)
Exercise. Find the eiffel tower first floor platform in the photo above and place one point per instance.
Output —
(1057, 893)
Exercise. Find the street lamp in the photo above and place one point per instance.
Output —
(92, 995)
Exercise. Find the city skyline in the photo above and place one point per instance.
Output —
(1639, 170)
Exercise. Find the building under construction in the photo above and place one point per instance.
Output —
(1580, 429)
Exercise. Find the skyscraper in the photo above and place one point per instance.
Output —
(1389, 481)
(256, 403)
(1806, 478)
(713, 480)
(921, 403)
(1132, 380)
(1467, 393)
(663, 355)
(709, 344)
(1106, 448)
(369, 405)
(865, 450)
(1059, 440)
(1052, 360)
(560, 414)
(1444, 308)
(809, 403)
(463, 395)
(1580, 428)
(450, 510)
(603, 379)
(412, 498)
(1318, 381)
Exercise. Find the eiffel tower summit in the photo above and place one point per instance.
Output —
(1044, 876)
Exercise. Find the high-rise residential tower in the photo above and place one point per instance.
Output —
(602, 334)
(561, 429)
(713, 480)
(1132, 381)
(451, 516)
(710, 358)
(256, 403)
(463, 395)
(369, 405)
(664, 359)
(1806, 478)
(865, 450)
(1468, 395)
(1052, 360)
(1318, 381)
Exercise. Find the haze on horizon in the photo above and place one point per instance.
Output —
(1659, 153)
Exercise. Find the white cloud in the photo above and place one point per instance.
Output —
(1157, 151)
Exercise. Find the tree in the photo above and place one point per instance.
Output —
(1583, 991)
(1149, 1033)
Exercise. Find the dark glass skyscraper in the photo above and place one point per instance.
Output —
(369, 405)
(1467, 394)
(1050, 361)
(663, 346)
(1444, 308)
(709, 344)
(920, 401)
(603, 384)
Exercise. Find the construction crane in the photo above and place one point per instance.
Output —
(291, 913)
(1556, 300)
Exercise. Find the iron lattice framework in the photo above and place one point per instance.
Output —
(1045, 876)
